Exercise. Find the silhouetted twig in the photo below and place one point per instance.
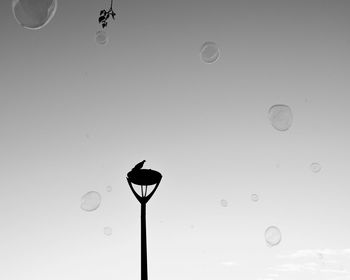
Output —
(104, 15)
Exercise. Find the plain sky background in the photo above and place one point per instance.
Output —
(76, 117)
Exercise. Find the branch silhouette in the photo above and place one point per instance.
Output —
(104, 15)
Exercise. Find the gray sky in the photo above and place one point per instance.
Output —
(76, 117)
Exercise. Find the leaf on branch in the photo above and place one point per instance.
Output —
(101, 18)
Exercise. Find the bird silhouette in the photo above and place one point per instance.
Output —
(138, 166)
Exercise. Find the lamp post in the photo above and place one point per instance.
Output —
(143, 178)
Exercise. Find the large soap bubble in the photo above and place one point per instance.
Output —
(90, 201)
(33, 14)
(101, 38)
(209, 52)
(272, 236)
(281, 117)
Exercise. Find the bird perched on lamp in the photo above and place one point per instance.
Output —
(138, 166)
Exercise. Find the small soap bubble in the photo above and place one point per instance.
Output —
(90, 201)
(109, 188)
(108, 231)
(272, 236)
(254, 197)
(281, 117)
(315, 167)
(101, 37)
(209, 52)
(33, 14)
(223, 202)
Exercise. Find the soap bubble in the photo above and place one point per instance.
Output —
(101, 37)
(90, 201)
(272, 236)
(281, 117)
(109, 188)
(254, 197)
(33, 14)
(108, 231)
(315, 167)
(223, 203)
(209, 52)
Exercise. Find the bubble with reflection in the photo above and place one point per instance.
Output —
(101, 38)
(315, 167)
(281, 117)
(107, 231)
(254, 197)
(273, 236)
(209, 52)
(33, 14)
(90, 201)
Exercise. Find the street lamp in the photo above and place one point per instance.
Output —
(143, 178)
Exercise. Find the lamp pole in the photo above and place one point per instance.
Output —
(144, 273)
(143, 177)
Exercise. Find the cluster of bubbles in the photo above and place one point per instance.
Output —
(33, 14)
(209, 52)
(281, 117)
(273, 236)
(315, 167)
(91, 202)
